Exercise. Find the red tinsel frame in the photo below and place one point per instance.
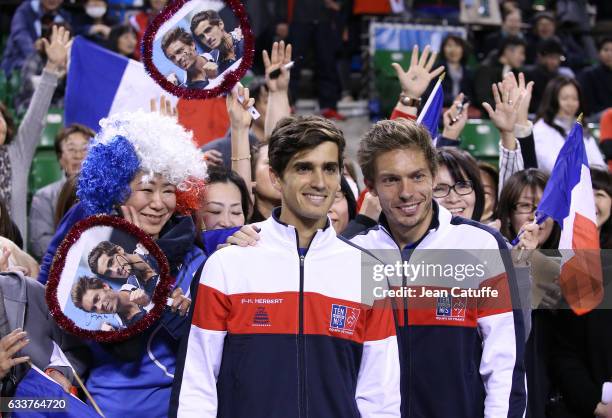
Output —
(230, 79)
(159, 296)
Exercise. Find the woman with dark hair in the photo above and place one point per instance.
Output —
(344, 208)
(66, 199)
(457, 186)
(516, 208)
(580, 354)
(266, 196)
(146, 168)
(8, 229)
(459, 79)
(602, 191)
(122, 40)
(490, 178)
(561, 104)
(227, 202)
(517, 204)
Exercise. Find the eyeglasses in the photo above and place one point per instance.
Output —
(524, 208)
(75, 150)
(461, 188)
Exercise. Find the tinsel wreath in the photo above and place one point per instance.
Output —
(160, 296)
(229, 79)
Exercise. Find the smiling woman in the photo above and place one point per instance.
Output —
(146, 168)
(227, 202)
(457, 186)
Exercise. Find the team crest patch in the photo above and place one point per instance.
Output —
(261, 318)
(343, 319)
(451, 308)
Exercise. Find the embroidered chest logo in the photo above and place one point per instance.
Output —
(343, 319)
(451, 308)
(261, 318)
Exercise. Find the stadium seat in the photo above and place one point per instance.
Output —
(44, 170)
(481, 139)
(386, 84)
(13, 85)
(594, 131)
(55, 121)
(3, 88)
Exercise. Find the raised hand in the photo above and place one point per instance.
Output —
(240, 118)
(57, 50)
(213, 157)
(279, 56)
(165, 107)
(454, 122)
(505, 114)
(414, 82)
(517, 90)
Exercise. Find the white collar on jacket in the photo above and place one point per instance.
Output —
(287, 234)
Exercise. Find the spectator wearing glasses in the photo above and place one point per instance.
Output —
(457, 185)
(71, 145)
(518, 202)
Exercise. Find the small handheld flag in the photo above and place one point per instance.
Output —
(568, 199)
(430, 115)
(37, 385)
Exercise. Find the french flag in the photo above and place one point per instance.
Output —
(568, 199)
(36, 384)
(430, 114)
(101, 83)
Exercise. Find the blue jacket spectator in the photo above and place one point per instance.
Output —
(27, 25)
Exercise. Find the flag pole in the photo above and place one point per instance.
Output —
(520, 254)
(91, 399)
(580, 118)
(78, 379)
(430, 98)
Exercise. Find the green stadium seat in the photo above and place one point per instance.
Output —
(594, 130)
(45, 170)
(387, 85)
(481, 139)
(384, 59)
(3, 88)
(14, 84)
(55, 122)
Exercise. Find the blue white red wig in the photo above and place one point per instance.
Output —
(140, 142)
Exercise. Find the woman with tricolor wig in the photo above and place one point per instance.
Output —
(146, 168)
